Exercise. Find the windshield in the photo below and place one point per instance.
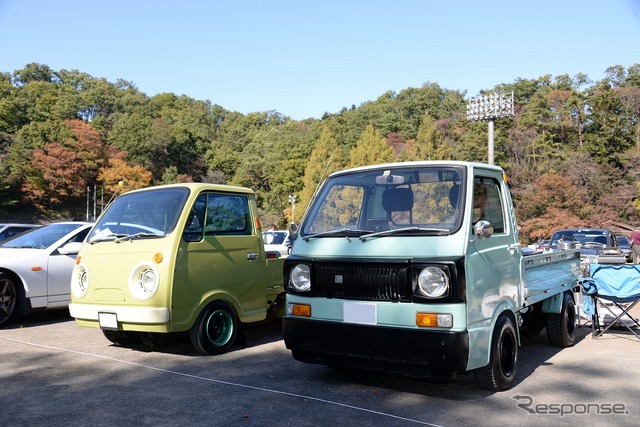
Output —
(405, 199)
(580, 236)
(274, 237)
(152, 213)
(41, 237)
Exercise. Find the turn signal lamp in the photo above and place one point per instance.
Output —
(434, 320)
(157, 258)
(299, 310)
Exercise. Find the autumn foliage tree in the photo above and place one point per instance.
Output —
(118, 177)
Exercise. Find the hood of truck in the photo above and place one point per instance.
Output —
(392, 247)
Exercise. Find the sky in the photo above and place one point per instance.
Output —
(304, 58)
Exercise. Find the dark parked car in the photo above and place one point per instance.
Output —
(597, 245)
(10, 230)
(625, 244)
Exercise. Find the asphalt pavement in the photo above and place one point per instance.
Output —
(55, 373)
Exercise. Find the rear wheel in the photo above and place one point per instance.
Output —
(501, 370)
(561, 327)
(8, 298)
(215, 330)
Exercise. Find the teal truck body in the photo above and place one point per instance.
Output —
(416, 269)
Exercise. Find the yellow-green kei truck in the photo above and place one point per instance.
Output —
(177, 258)
(416, 268)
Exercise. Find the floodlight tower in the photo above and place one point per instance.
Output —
(490, 107)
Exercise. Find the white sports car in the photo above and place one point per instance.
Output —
(36, 266)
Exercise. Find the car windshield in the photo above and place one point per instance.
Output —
(623, 241)
(580, 236)
(152, 213)
(408, 199)
(274, 237)
(42, 237)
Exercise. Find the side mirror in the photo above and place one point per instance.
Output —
(293, 230)
(483, 229)
(70, 248)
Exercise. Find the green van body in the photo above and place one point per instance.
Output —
(356, 264)
(142, 237)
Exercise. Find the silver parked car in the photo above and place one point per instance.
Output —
(36, 266)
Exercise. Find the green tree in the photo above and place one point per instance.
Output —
(370, 149)
(326, 158)
(608, 131)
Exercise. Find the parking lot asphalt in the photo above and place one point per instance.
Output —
(55, 373)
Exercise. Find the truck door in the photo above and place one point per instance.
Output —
(493, 269)
(221, 255)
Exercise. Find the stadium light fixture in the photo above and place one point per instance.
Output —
(489, 108)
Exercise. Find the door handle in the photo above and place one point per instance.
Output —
(251, 256)
(513, 248)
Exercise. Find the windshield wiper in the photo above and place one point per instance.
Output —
(334, 232)
(135, 236)
(403, 230)
(107, 238)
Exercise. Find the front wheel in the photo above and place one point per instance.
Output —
(215, 330)
(8, 298)
(501, 370)
(561, 327)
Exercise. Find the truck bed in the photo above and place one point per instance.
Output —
(547, 274)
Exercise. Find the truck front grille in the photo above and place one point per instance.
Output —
(367, 282)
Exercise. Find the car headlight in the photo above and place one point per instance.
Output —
(80, 281)
(432, 282)
(143, 282)
(300, 278)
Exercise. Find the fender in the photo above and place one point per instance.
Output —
(480, 338)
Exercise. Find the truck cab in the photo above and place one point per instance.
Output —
(177, 258)
(416, 268)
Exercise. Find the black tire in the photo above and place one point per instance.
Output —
(561, 327)
(9, 297)
(501, 370)
(121, 338)
(215, 329)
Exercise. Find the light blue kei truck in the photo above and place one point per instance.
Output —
(416, 269)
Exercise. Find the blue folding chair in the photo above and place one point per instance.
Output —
(612, 286)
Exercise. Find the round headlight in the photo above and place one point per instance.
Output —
(143, 282)
(300, 278)
(432, 283)
(80, 281)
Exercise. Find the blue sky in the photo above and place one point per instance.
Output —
(303, 58)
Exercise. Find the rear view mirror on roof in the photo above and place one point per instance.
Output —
(387, 179)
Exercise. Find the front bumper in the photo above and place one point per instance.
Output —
(421, 353)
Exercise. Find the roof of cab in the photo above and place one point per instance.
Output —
(421, 163)
(199, 186)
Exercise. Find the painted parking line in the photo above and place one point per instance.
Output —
(212, 380)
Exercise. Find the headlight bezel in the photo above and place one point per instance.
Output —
(432, 282)
(300, 278)
(80, 281)
(144, 281)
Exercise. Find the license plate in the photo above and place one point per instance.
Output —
(108, 321)
(361, 313)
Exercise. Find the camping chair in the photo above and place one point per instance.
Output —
(612, 286)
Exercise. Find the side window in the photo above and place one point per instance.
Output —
(487, 203)
(227, 214)
(194, 230)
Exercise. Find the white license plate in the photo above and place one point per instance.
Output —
(108, 321)
(361, 313)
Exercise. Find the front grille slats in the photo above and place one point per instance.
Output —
(361, 281)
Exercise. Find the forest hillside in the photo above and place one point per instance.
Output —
(67, 139)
